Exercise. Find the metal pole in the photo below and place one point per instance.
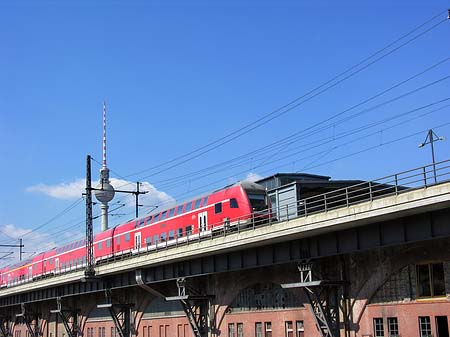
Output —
(20, 249)
(89, 233)
(430, 134)
(137, 199)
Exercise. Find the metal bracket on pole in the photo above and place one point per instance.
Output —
(322, 296)
(120, 314)
(28, 318)
(68, 317)
(196, 308)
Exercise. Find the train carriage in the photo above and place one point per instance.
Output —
(236, 205)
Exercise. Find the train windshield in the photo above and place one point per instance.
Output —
(257, 201)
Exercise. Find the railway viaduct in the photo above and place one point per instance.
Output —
(376, 267)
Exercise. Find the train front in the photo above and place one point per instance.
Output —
(258, 200)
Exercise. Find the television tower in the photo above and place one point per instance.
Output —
(104, 191)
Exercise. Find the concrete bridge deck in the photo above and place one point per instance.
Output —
(406, 203)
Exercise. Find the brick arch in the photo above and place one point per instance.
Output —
(390, 264)
(242, 281)
(85, 313)
(147, 299)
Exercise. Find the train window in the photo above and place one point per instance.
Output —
(233, 203)
(218, 208)
(205, 201)
(171, 235)
(180, 209)
(99, 246)
(155, 238)
(50, 261)
(197, 203)
(127, 237)
(141, 223)
(45, 263)
(188, 230)
(148, 241)
(84, 259)
(163, 215)
(147, 219)
(188, 206)
(172, 211)
(108, 243)
(163, 237)
(118, 240)
(257, 201)
(179, 232)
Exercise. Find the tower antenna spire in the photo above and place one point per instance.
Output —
(104, 192)
(104, 136)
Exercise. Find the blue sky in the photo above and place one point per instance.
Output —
(179, 75)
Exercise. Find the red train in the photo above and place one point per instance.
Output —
(240, 204)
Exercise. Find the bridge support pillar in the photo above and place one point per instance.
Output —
(69, 318)
(197, 308)
(121, 315)
(323, 300)
(32, 320)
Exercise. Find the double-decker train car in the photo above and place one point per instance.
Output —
(236, 205)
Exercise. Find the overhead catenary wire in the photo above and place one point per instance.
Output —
(308, 146)
(295, 103)
(414, 30)
(301, 133)
(298, 138)
(326, 152)
(311, 145)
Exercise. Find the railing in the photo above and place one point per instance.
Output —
(344, 197)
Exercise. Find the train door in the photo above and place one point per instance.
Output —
(137, 240)
(30, 273)
(57, 265)
(202, 221)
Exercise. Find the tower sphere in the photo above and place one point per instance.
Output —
(105, 194)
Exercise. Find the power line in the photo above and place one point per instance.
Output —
(305, 150)
(294, 103)
(296, 136)
(63, 212)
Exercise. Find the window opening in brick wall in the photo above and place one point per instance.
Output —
(425, 326)
(378, 327)
(430, 280)
(231, 330)
(289, 329)
(392, 327)
(300, 329)
(267, 329)
(240, 330)
(258, 329)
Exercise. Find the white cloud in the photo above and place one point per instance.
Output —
(74, 190)
(253, 177)
(71, 190)
(153, 197)
(33, 243)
